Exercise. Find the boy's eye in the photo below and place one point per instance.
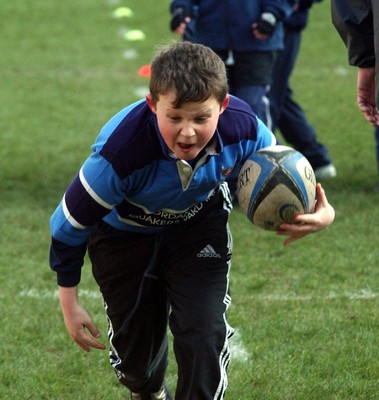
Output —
(201, 119)
(198, 120)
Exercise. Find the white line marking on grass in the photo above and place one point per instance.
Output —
(114, 2)
(130, 54)
(53, 294)
(341, 70)
(364, 294)
(141, 91)
(237, 349)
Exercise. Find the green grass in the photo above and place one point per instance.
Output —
(306, 315)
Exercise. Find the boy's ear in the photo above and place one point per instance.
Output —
(224, 104)
(150, 103)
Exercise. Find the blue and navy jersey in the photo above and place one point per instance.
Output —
(133, 182)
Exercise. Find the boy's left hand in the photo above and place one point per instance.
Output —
(309, 223)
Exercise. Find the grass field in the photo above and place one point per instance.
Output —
(307, 316)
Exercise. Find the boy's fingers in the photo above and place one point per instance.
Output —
(91, 340)
(86, 342)
(93, 330)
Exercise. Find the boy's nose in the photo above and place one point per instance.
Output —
(187, 131)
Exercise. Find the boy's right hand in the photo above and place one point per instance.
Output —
(77, 320)
(305, 224)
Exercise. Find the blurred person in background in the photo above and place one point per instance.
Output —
(259, 53)
(357, 22)
(286, 113)
(246, 35)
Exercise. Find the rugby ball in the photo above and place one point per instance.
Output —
(274, 185)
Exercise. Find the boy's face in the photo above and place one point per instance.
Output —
(188, 129)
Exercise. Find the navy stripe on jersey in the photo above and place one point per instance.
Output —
(90, 208)
(134, 143)
(237, 123)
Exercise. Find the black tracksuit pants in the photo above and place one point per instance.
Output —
(178, 277)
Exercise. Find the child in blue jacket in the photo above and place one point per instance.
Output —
(246, 34)
(151, 205)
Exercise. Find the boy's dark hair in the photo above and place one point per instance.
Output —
(193, 71)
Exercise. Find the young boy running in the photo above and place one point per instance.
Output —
(151, 205)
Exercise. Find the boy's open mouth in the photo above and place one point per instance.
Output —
(185, 146)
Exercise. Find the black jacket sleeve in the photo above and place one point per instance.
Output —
(354, 21)
(67, 262)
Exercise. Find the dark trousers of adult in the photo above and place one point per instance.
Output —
(286, 114)
(148, 280)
